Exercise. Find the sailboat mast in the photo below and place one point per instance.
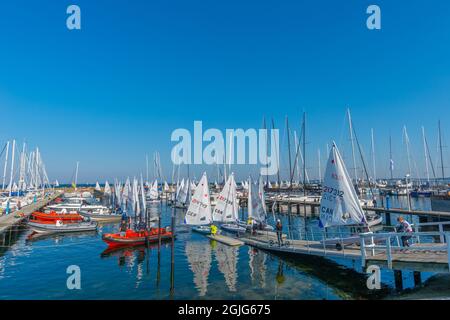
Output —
(296, 162)
(353, 145)
(405, 133)
(429, 158)
(304, 155)
(391, 164)
(230, 158)
(146, 167)
(289, 152)
(12, 166)
(320, 168)
(440, 150)
(373, 157)
(76, 175)
(278, 157)
(267, 151)
(22, 168)
(425, 153)
(6, 164)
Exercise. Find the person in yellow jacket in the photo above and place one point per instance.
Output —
(213, 230)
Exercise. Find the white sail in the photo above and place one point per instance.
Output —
(199, 211)
(180, 187)
(154, 191)
(166, 187)
(270, 185)
(339, 204)
(255, 206)
(184, 194)
(261, 194)
(144, 205)
(117, 190)
(107, 188)
(97, 186)
(135, 199)
(226, 209)
(56, 183)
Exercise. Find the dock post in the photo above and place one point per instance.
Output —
(417, 278)
(389, 253)
(387, 218)
(447, 238)
(363, 252)
(398, 279)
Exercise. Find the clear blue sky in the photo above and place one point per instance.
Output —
(114, 91)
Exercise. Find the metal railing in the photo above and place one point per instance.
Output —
(372, 244)
(322, 243)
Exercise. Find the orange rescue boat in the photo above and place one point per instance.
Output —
(136, 238)
(53, 216)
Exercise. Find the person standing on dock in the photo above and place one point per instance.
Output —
(279, 229)
(213, 230)
(404, 227)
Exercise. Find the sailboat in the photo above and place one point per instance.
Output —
(183, 196)
(153, 196)
(339, 205)
(227, 208)
(256, 207)
(199, 212)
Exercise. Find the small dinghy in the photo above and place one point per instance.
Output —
(52, 216)
(266, 227)
(233, 228)
(202, 229)
(340, 206)
(60, 227)
(102, 217)
(136, 238)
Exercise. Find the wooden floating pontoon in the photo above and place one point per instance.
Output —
(226, 240)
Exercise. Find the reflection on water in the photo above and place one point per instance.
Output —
(199, 257)
(257, 263)
(227, 258)
(36, 268)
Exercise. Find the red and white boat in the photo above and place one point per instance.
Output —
(52, 216)
(136, 238)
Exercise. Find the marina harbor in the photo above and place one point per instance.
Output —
(224, 159)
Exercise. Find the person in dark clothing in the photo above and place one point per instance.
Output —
(279, 229)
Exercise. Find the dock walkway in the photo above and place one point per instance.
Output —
(18, 216)
(429, 257)
(295, 203)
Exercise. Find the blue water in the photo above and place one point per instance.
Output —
(203, 269)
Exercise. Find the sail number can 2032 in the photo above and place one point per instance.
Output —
(332, 191)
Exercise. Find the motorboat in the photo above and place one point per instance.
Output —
(136, 238)
(60, 227)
